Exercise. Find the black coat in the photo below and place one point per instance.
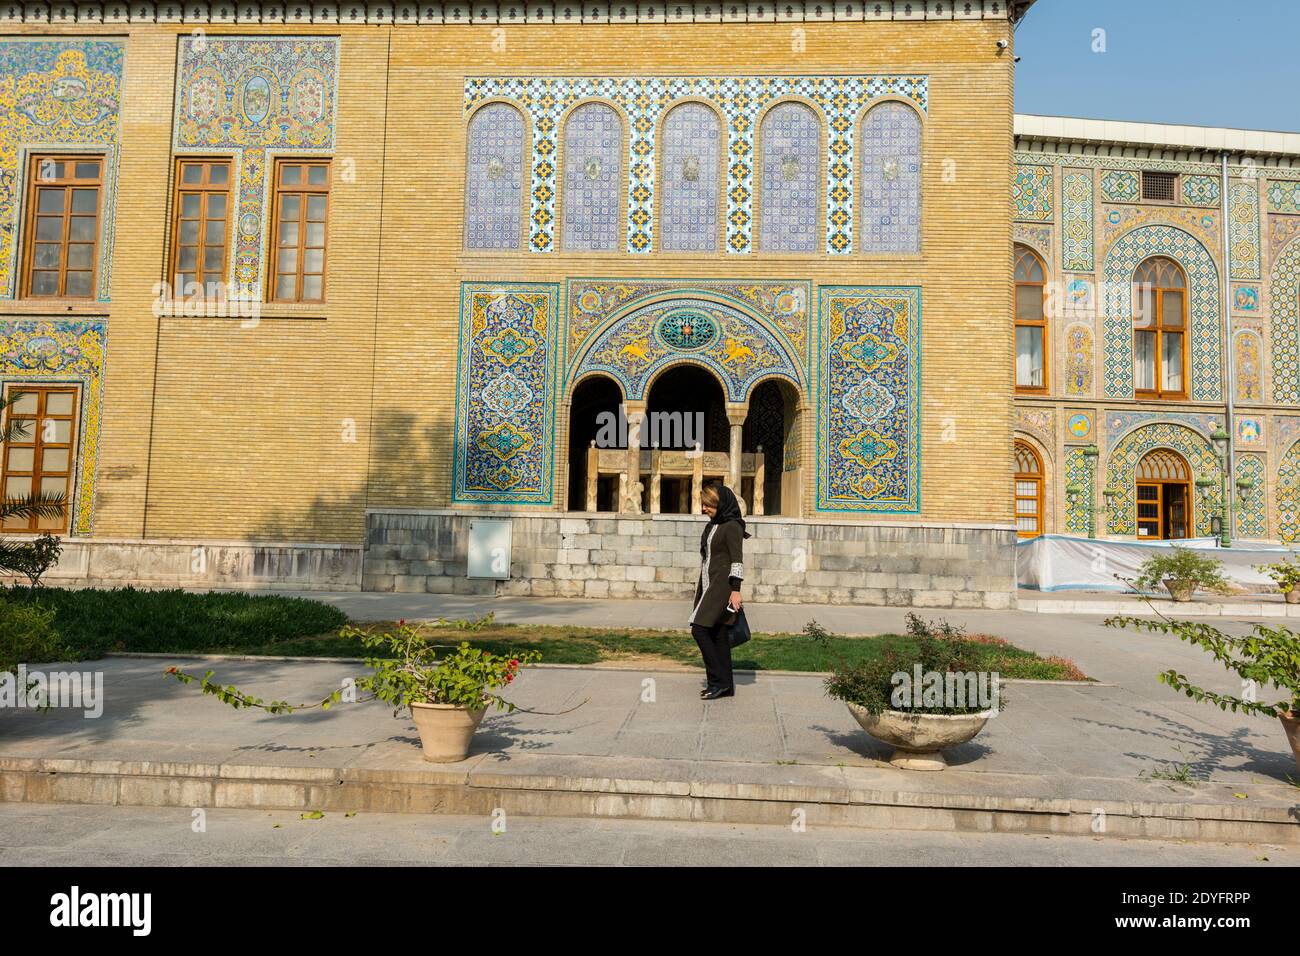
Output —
(723, 560)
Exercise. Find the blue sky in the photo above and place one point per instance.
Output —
(1195, 62)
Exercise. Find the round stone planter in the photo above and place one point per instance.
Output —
(1180, 590)
(445, 730)
(1291, 724)
(918, 738)
(1292, 596)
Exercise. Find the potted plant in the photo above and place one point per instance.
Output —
(447, 695)
(1181, 571)
(923, 694)
(1265, 657)
(1286, 575)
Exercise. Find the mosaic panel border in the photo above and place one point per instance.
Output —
(1032, 192)
(1121, 468)
(1243, 230)
(1284, 325)
(1077, 254)
(1251, 511)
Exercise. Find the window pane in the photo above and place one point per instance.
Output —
(53, 459)
(316, 208)
(1171, 362)
(188, 260)
(56, 485)
(20, 459)
(49, 200)
(80, 256)
(85, 200)
(1144, 306)
(81, 229)
(190, 205)
(217, 206)
(288, 234)
(47, 255)
(1172, 310)
(1144, 361)
(312, 287)
(58, 403)
(18, 487)
(315, 234)
(24, 403)
(212, 256)
(192, 173)
(318, 175)
(49, 228)
(1029, 357)
(53, 523)
(49, 169)
(289, 207)
(88, 170)
(55, 431)
(219, 174)
(77, 285)
(284, 287)
(1029, 303)
(292, 175)
(189, 233)
(45, 283)
(216, 233)
(313, 260)
(288, 261)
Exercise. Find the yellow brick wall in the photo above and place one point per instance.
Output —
(214, 430)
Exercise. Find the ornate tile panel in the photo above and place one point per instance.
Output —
(1038, 238)
(1076, 222)
(1283, 196)
(1284, 302)
(494, 178)
(841, 100)
(1245, 299)
(1121, 261)
(1287, 491)
(891, 179)
(1040, 422)
(58, 351)
(257, 97)
(1243, 230)
(726, 340)
(62, 95)
(789, 179)
(1076, 508)
(1031, 191)
(1121, 468)
(1200, 190)
(1248, 353)
(505, 408)
(1281, 230)
(1119, 186)
(1252, 510)
(1201, 223)
(868, 426)
(690, 180)
(593, 177)
(1078, 360)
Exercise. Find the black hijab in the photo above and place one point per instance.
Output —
(728, 510)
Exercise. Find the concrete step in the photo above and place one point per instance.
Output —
(873, 797)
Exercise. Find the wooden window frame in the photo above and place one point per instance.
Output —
(1160, 487)
(1037, 479)
(33, 440)
(34, 184)
(278, 190)
(1018, 250)
(204, 189)
(1157, 328)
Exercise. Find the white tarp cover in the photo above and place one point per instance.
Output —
(1055, 562)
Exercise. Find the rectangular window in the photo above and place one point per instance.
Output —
(200, 233)
(1159, 186)
(62, 226)
(1029, 356)
(39, 458)
(301, 215)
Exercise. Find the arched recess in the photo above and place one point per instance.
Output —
(733, 343)
(1121, 262)
(693, 153)
(1128, 452)
(1030, 490)
(1164, 495)
(1284, 306)
(591, 212)
(775, 422)
(789, 181)
(890, 162)
(494, 178)
(593, 403)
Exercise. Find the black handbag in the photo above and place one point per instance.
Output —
(738, 629)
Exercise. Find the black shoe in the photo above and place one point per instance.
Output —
(713, 693)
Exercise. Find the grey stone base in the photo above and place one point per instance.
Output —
(205, 564)
(786, 560)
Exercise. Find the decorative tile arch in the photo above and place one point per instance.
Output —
(1121, 468)
(1287, 489)
(891, 179)
(1122, 260)
(494, 178)
(1284, 303)
(691, 187)
(733, 344)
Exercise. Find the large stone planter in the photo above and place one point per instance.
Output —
(1180, 590)
(1291, 724)
(445, 730)
(1292, 596)
(918, 738)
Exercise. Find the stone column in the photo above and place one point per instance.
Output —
(635, 412)
(736, 415)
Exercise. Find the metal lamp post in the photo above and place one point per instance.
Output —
(1220, 439)
(1090, 454)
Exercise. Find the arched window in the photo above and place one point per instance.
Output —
(790, 164)
(494, 178)
(691, 184)
(1031, 321)
(1164, 496)
(1160, 329)
(891, 179)
(593, 146)
(1029, 491)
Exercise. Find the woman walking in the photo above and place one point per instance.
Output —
(717, 593)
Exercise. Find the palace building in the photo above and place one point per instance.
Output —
(475, 299)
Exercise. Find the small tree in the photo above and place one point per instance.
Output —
(22, 557)
(1182, 570)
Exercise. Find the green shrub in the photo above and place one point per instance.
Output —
(27, 635)
(1182, 564)
(93, 621)
(1285, 573)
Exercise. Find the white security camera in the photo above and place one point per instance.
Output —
(1002, 44)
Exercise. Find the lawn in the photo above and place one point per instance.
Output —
(91, 622)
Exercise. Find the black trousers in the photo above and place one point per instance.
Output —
(715, 648)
